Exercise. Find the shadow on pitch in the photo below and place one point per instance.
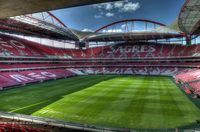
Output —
(76, 87)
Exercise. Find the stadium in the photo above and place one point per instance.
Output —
(127, 74)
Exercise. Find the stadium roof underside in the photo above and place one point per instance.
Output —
(134, 36)
(10, 8)
(189, 17)
(21, 25)
(46, 25)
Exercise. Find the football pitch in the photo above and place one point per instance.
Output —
(144, 102)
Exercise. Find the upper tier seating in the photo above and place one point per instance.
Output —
(143, 50)
(12, 46)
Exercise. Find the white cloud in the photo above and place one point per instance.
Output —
(87, 30)
(118, 4)
(105, 9)
(130, 6)
(108, 6)
(112, 31)
(108, 14)
(123, 26)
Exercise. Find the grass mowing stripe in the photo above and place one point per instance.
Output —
(108, 108)
(149, 105)
(123, 104)
(85, 104)
(119, 101)
(152, 106)
(32, 94)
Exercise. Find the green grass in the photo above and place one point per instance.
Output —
(115, 101)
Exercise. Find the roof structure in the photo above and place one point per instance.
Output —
(42, 24)
(10, 8)
(189, 17)
(128, 30)
(46, 25)
(132, 37)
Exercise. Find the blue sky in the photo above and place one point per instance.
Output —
(93, 17)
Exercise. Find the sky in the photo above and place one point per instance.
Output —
(93, 17)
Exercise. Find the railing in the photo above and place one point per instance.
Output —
(103, 58)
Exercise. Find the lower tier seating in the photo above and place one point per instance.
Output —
(195, 86)
(136, 70)
(8, 79)
(6, 82)
(191, 81)
(184, 75)
(19, 128)
(189, 76)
